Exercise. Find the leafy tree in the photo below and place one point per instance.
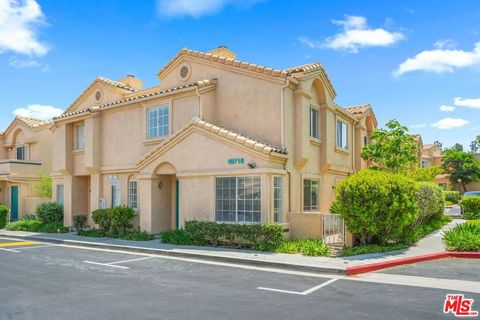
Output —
(426, 174)
(462, 166)
(475, 144)
(458, 147)
(438, 143)
(44, 186)
(392, 149)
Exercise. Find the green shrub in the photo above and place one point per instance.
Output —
(471, 206)
(3, 216)
(121, 218)
(372, 248)
(102, 218)
(178, 237)
(50, 212)
(430, 201)
(79, 222)
(37, 226)
(265, 238)
(25, 225)
(471, 215)
(377, 206)
(128, 235)
(464, 237)
(452, 196)
(307, 247)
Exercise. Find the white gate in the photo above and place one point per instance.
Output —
(333, 229)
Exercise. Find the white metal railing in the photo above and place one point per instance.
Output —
(333, 232)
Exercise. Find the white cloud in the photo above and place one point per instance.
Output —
(449, 123)
(197, 8)
(356, 34)
(26, 63)
(440, 60)
(19, 20)
(418, 126)
(38, 111)
(469, 103)
(446, 108)
(312, 44)
(445, 44)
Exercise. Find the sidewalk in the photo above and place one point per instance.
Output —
(428, 245)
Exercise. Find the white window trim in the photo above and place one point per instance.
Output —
(25, 152)
(77, 144)
(347, 148)
(236, 200)
(129, 194)
(282, 199)
(147, 122)
(311, 133)
(303, 194)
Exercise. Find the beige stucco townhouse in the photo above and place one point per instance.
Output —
(219, 139)
(25, 153)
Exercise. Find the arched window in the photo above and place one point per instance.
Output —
(133, 193)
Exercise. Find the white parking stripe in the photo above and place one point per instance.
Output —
(131, 260)
(303, 293)
(9, 250)
(106, 264)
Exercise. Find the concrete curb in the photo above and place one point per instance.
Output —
(397, 262)
(189, 255)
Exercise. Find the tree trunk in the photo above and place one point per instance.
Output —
(464, 187)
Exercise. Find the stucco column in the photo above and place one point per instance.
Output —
(95, 192)
(68, 201)
(302, 127)
(145, 200)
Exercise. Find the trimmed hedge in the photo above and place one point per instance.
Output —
(256, 236)
(378, 207)
(50, 212)
(3, 216)
(307, 247)
(117, 219)
(430, 201)
(452, 196)
(79, 222)
(471, 207)
(32, 225)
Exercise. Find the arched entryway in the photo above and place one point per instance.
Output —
(165, 198)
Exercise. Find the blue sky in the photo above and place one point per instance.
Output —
(415, 61)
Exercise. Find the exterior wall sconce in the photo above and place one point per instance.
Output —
(252, 165)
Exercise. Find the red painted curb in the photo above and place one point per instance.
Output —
(470, 255)
(392, 263)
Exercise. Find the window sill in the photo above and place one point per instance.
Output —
(148, 142)
(342, 150)
(78, 151)
(315, 141)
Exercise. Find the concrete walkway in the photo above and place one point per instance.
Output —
(430, 244)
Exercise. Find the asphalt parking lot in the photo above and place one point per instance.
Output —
(42, 281)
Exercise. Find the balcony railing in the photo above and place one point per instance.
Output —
(20, 167)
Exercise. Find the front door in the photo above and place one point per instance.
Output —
(14, 203)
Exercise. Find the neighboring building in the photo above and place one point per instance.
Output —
(431, 155)
(25, 153)
(219, 139)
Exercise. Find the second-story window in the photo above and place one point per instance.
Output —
(342, 135)
(80, 137)
(22, 152)
(314, 123)
(157, 122)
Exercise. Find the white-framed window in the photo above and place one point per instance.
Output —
(116, 195)
(80, 137)
(342, 134)
(132, 194)
(238, 199)
(311, 194)
(60, 194)
(22, 152)
(277, 199)
(157, 122)
(314, 123)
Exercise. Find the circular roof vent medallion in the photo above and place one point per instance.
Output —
(184, 72)
(98, 95)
